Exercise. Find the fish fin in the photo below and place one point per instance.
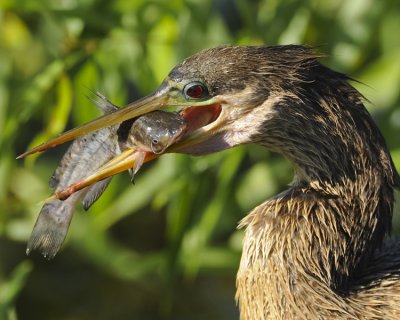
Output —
(103, 104)
(138, 163)
(53, 182)
(132, 174)
(140, 156)
(51, 227)
(94, 193)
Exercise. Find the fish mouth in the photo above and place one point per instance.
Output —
(201, 122)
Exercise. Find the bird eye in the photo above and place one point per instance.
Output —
(195, 90)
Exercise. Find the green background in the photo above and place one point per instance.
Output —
(167, 247)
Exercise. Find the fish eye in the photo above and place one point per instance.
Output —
(195, 90)
(155, 141)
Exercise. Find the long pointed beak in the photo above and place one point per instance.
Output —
(134, 158)
(154, 101)
(130, 158)
(197, 115)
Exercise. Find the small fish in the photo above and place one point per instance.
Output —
(149, 134)
(84, 156)
(153, 132)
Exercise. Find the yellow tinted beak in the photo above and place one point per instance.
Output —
(128, 159)
(167, 95)
(154, 101)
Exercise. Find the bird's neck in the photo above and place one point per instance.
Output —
(311, 241)
(304, 249)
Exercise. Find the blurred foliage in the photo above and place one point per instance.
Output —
(166, 248)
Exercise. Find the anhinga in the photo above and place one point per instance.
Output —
(316, 250)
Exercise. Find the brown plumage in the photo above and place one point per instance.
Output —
(318, 249)
(315, 250)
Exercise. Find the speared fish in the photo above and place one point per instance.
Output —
(150, 133)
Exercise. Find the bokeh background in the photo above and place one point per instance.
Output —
(167, 247)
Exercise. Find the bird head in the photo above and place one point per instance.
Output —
(213, 89)
(278, 96)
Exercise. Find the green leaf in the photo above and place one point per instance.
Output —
(10, 288)
(383, 80)
(59, 114)
(256, 186)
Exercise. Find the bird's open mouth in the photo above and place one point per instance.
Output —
(198, 117)
(200, 120)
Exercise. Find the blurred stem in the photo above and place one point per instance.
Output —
(10, 289)
(196, 240)
(178, 216)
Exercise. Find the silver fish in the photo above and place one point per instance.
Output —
(52, 224)
(153, 132)
(156, 131)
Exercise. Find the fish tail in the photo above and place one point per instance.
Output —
(51, 227)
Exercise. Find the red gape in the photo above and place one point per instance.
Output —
(197, 117)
